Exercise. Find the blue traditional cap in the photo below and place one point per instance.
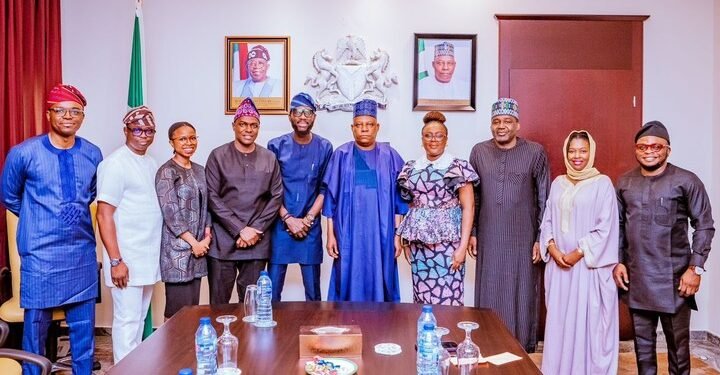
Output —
(366, 107)
(655, 129)
(302, 100)
(246, 108)
(444, 49)
(506, 106)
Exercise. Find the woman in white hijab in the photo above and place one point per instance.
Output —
(579, 235)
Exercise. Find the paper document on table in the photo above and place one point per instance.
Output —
(502, 358)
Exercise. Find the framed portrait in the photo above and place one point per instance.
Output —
(444, 72)
(257, 67)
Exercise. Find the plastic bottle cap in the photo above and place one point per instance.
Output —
(205, 320)
(427, 308)
(429, 327)
(263, 273)
(185, 371)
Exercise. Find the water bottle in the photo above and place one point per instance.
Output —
(425, 317)
(428, 360)
(264, 316)
(185, 371)
(206, 348)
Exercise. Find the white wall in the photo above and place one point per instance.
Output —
(713, 280)
(184, 43)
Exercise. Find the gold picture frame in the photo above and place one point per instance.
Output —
(258, 67)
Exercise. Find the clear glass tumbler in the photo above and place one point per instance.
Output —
(250, 302)
(444, 354)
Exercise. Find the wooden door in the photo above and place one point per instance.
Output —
(569, 73)
(576, 72)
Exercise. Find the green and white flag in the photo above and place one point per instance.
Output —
(136, 98)
(136, 88)
(422, 60)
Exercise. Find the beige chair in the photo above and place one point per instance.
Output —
(9, 358)
(10, 311)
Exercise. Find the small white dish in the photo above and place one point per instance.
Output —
(388, 348)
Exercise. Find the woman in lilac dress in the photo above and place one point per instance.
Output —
(579, 235)
(435, 232)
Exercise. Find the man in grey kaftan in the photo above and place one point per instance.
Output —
(509, 199)
(244, 195)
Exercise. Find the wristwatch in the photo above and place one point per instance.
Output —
(114, 262)
(698, 270)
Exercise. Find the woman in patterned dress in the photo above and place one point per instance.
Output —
(435, 232)
(181, 190)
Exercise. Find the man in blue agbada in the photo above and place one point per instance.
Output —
(49, 182)
(363, 207)
(296, 235)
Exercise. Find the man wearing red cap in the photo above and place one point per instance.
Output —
(258, 84)
(49, 182)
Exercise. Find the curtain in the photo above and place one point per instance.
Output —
(30, 65)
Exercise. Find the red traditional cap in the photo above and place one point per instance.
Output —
(259, 52)
(65, 93)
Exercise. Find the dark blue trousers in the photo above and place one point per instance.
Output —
(80, 318)
(310, 276)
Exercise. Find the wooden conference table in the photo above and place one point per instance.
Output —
(264, 351)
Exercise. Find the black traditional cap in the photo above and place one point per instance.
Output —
(655, 129)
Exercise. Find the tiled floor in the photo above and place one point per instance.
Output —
(704, 348)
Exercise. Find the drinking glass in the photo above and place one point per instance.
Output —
(250, 302)
(444, 354)
(468, 353)
(227, 348)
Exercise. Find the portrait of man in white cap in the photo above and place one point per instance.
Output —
(448, 79)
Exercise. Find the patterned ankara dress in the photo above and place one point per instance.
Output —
(432, 226)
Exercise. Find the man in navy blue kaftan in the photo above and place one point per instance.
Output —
(49, 182)
(363, 204)
(296, 235)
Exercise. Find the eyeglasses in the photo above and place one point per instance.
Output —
(302, 112)
(434, 137)
(61, 112)
(244, 125)
(190, 139)
(139, 131)
(653, 147)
